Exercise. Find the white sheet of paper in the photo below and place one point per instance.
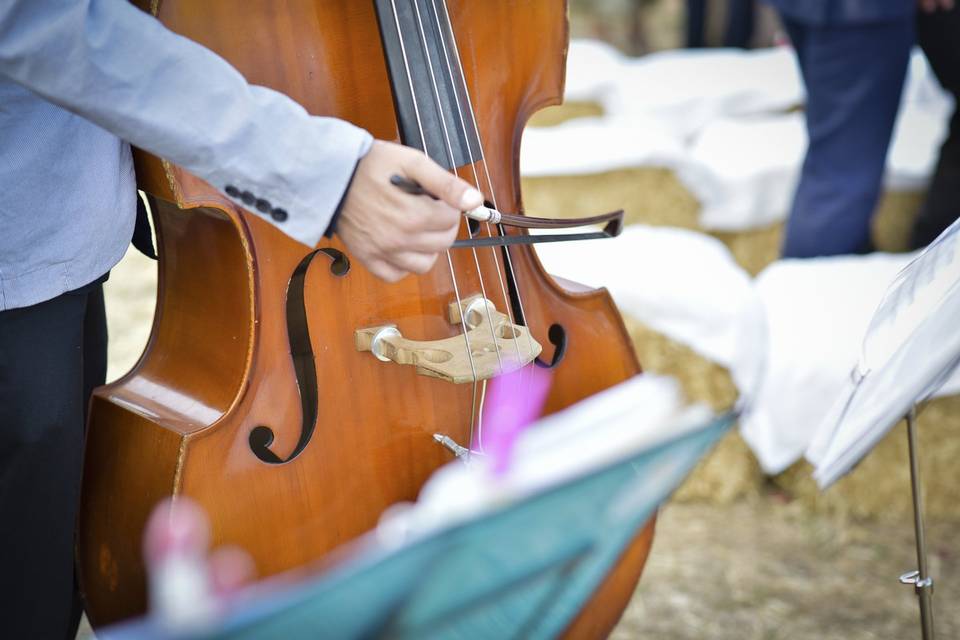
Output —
(638, 414)
(910, 348)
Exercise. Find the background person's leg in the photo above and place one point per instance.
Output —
(740, 22)
(42, 409)
(696, 23)
(854, 77)
(937, 33)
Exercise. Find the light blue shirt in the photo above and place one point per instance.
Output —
(80, 77)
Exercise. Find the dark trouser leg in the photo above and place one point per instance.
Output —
(51, 356)
(740, 18)
(937, 34)
(696, 23)
(854, 78)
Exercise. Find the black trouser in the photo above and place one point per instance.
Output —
(938, 33)
(740, 20)
(52, 355)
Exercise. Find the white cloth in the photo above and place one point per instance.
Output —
(722, 120)
(815, 313)
(681, 283)
(596, 145)
(593, 67)
(744, 171)
(789, 338)
(688, 88)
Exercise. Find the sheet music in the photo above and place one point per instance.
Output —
(913, 296)
(911, 347)
(612, 425)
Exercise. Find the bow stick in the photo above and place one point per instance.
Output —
(613, 223)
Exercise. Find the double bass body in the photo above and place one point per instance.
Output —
(251, 397)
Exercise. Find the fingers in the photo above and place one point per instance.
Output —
(399, 265)
(413, 262)
(383, 270)
(394, 233)
(455, 192)
(423, 214)
(429, 242)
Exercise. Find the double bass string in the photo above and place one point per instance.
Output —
(476, 181)
(463, 128)
(453, 272)
(473, 168)
(508, 261)
(476, 423)
(449, 149)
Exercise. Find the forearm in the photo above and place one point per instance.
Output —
(119, 68)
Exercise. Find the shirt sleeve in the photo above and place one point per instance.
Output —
(118, 67)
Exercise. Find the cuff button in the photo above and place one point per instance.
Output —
(248, 198)
(232, 191)
(263, 206)
(278, 214)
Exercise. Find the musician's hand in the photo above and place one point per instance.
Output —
(391, 232)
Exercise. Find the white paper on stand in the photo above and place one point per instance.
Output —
(637, 414)
(909, 350)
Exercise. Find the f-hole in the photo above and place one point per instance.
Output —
(558, 338)
(304, 365)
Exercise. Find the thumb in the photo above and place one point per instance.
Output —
(457, 193)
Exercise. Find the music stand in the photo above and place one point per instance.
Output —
(521, 564)
(910, 349)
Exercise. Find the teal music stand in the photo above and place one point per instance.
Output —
(522, 570)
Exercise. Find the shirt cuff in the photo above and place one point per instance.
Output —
(332, 227)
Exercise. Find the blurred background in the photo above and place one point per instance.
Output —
(703, 148)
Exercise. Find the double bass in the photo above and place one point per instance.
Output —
(286, 389)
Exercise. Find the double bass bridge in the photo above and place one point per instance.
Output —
(489, 346)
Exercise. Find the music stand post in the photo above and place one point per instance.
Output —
(920, 578)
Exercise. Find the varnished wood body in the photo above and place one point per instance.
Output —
(218, 362)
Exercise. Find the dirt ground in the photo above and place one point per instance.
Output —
(763, 569)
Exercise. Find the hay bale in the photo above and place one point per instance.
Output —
(880, 486)
(730, 471)
(131, 294)
(894, 218)
(649, 195)
(552, 116)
